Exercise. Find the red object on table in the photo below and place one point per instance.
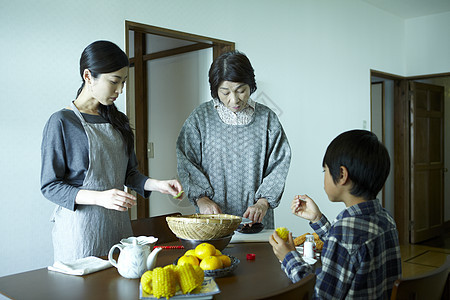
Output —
(251, 256)
(169, 247)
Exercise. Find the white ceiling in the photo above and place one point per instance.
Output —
(411, 8)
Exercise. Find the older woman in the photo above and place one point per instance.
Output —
(233, 155)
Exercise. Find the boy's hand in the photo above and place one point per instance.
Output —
(306, 208)
(280, 247)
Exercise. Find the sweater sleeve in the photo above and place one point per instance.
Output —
(135, 180)
(189, 155)
(277, 163)
(54, 185)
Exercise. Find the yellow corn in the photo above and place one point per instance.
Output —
(283, 233)
(200, 273)
(190, 277)
(146, 282)
(164, 282)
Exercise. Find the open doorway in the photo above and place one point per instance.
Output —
(420, 203)
(168, 78)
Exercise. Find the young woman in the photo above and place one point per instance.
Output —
(233, 155)
(88, 157)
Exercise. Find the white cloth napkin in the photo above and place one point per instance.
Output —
(82, 266)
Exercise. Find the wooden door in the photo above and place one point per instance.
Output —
(427, 160)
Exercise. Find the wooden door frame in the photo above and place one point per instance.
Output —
(402, 182)
(140, 101)
(383, 105)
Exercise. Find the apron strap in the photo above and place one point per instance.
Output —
(77, 113)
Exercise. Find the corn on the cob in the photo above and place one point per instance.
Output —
(146, 282)
(190, 277)
(283, 233)
(200, 273)
(164, 282)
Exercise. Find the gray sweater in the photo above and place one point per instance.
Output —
(233, 165)
(65, 159)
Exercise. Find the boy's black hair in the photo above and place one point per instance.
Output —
(365, 158)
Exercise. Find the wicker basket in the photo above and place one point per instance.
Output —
(203, 227)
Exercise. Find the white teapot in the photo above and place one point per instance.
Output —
(134, 259)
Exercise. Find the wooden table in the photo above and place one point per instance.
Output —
(251, 279)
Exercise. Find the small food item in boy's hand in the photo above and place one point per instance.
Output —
(283, 233)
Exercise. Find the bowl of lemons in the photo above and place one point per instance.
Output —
(210, 259)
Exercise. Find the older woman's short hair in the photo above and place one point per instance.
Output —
(231, 66)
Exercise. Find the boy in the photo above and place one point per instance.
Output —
(361, 253)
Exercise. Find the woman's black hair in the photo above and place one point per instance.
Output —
(231, 66)
(365, 158)
(102, 57)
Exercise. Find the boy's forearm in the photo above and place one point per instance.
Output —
(317, 218)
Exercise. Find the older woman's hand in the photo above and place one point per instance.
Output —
(257, 211)
(208, 207)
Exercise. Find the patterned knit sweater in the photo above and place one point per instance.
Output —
(233, 165)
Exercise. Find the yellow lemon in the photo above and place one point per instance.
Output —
(211, 263)
(204, 250)
(283, 233)
(218, 252)
(190, 252)
(188, 259)
(226, 261)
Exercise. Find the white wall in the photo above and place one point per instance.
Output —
(311, 58)
(427, 44)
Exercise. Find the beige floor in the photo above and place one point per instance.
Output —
(418, 259)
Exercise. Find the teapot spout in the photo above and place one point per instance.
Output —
(151, 260)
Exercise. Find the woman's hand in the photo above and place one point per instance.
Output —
(110, 199)
(257, 211)
(208, 207)
(280, 247)
(306, 208)
(172, 187)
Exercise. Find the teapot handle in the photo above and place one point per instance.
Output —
(110, 254)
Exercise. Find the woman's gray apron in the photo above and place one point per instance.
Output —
(92, 229)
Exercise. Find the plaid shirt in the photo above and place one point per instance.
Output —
(360, 257)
